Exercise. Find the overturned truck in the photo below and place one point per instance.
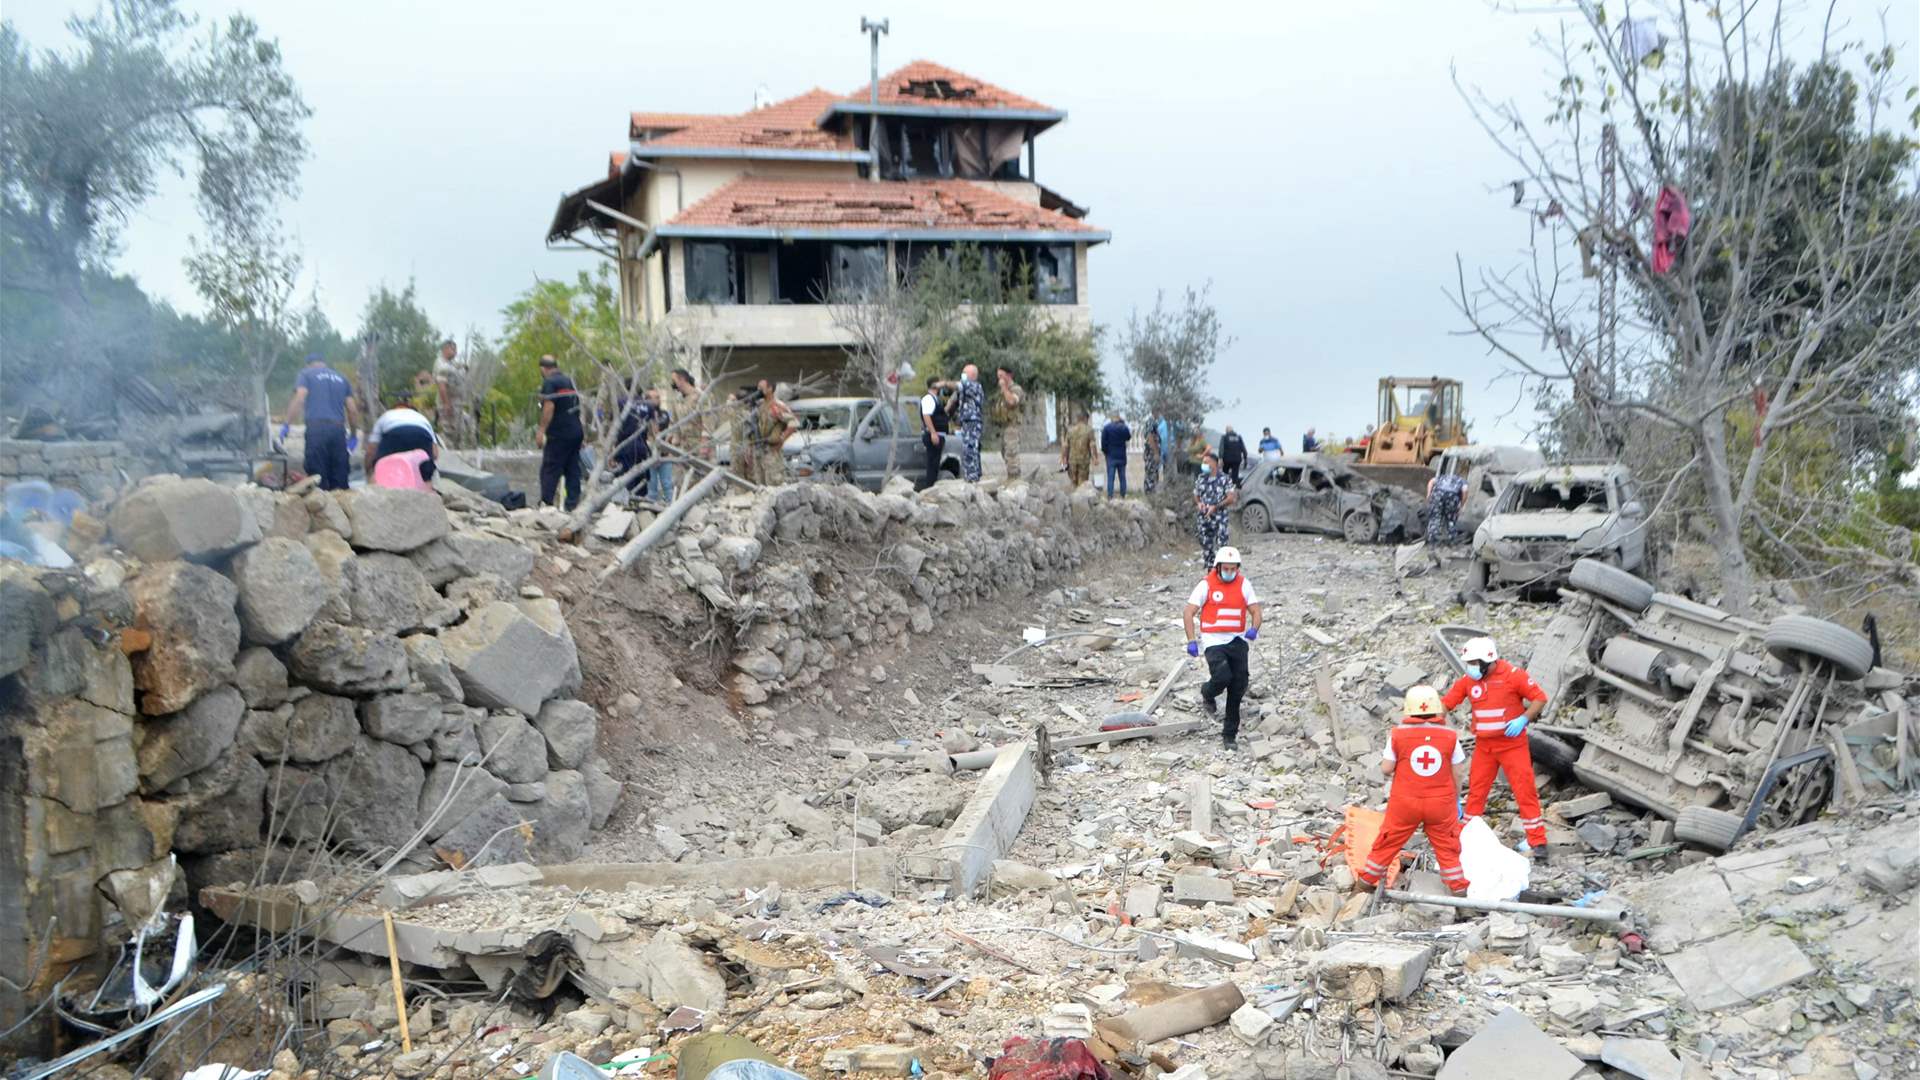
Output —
(1718, 722)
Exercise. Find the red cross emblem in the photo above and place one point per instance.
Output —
(1425, 761)
(1476, 692)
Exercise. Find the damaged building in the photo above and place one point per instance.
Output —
(740, 228)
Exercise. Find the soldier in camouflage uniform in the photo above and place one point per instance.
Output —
(1009, 413)
(1213, 498)
(970, 402)
(1443, 508)
(1076, 452)
(739, 422)
(1151, 458)
(772, 423)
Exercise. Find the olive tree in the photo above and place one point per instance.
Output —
(1760, 218)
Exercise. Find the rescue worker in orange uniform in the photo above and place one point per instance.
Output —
(1505, 699)
(1228, 611)
(1424, 766)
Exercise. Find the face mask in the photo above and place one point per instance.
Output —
(1228, 575)
(1205, 468)
(1476, 670)
(964, 378)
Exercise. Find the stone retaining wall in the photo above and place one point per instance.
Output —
(94, 469)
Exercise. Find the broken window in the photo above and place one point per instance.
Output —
(800, 272)
(858, 269)
(936, 90)
(1053, 278)
(1589, 496)
(879, 422)
(921, 149)
(710, 273)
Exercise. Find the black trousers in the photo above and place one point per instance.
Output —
(1227, 670)
(1232, 469)
(935, 451)
(560, 459)
(401, 439)
(326, 455)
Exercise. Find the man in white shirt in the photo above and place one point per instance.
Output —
(1227, 611)
(399, 430)
(933, 431)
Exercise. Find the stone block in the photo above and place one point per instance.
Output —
(1251, 1024)
(185, 742)
(427, 665)
(393, 519)
(401, 718)
(1368, 971)
(225, 820)
(1199, 889)
(333, 555)
(513, 656)
(1509, 1047)
(280, 589)
(189, 612)
(173, 518)
(496, 831)
(472, 788)
(376, 790)
(349, 659)
(470, 553)
(560, 831)
(260, 677)
(676, 974)
(799, 818)
(515, 752)
(387, 592)
(275, 513)
(603, 792)
(570, 728)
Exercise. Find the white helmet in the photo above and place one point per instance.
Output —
(1227, 554)
(1481, 649)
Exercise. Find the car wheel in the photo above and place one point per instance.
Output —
(1256, 518)
(951, 468)
(1552, 754)
(1361, 527)
(1702, 826)
(1798, 638)
(1478, 574)
(1611, 583)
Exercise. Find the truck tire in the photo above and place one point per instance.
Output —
(1257, 518)
(1794, 638)
(1611, 583)
(1707, 828)
(1552, 754)
(1361, 527)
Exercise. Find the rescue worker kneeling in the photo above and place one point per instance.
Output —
(1424, 767)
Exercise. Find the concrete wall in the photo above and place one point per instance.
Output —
(94, 469)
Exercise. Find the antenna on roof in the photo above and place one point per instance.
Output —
(762, 96)
(873, 30)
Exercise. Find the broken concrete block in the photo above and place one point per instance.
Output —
(1728, 971)
(1510, 1048)
(1561, 960)
(1569, 809)
(1189, 842)
(1143, 900)
(1218, 949)
(1406, 677)
(1880, 873)
(801, 819)
(1368, 971)
(889, 1060)
(1198, 889)
(1068, 1020)
(182, 519)
(1598, 835)
(671, 843)
(1660, 834)
(1647, 1059)
(1250, 1024)
(1017, 876)
(677, 974)
(1575, 1007)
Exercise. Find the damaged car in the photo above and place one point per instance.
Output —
(1720, 723)
(1549, 518)
(1314, 494)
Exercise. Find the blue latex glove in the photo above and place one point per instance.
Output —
(1459, 809)
(1253, 633)
(353, 443)
(1516, 726)
(1193, 648)
(286, 430)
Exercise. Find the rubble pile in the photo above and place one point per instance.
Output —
(233, 676)
(811, 574)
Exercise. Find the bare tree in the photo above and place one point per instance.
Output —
(247, 273)
(1765, 234)
(890, 329)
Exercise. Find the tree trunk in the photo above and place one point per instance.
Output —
(1736, 576)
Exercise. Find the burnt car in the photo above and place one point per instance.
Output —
(1718, 722)
(1549, 517)
(1317, 494)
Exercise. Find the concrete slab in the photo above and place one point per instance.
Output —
(1510, 1048)
(1367, 971)
(875, 868)
(1198, 889)
(1647, 1059)
(1728, 971)
(987, 826)
(1684, 907)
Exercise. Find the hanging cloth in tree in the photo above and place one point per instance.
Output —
(1671, 220)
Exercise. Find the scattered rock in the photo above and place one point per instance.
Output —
(570, 728)
(676, 974)
(280, 589)
(393, 519)
(349, 659)
(189, 612)
(171, 518)
(513, 656)
(185, 742)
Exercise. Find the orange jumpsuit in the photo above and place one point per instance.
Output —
(1498, 698)
(1423, 753)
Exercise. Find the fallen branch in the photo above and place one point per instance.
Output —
(663, 524)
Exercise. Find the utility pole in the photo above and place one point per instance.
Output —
(873, 29)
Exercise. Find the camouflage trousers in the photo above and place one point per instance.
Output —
(1010, 451)
(1212, 530)
(1152, 463)
(970, 452)
(1443, 518)
(769, 466)
(1078, 472)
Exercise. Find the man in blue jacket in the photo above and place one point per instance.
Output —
(1113, 444)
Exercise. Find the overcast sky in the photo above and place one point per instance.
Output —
(1311, 161)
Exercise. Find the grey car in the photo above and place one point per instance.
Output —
(849, 438)
(1317, 494)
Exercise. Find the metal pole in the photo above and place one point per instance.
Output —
(873, 29)
(1556, 911)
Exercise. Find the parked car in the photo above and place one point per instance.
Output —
(1721, 723)
(1548, 518)
(848, 439)
(1487, 470)
(1317, 494)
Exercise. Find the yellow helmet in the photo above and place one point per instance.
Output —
(1424, 701)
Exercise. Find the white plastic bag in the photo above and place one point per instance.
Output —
(1494, 871)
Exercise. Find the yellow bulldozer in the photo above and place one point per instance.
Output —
(1419, 418)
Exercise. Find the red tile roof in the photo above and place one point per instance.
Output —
(927, 84)
(906, 205)
(616, 160)
(784, 125)
(666, 121)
